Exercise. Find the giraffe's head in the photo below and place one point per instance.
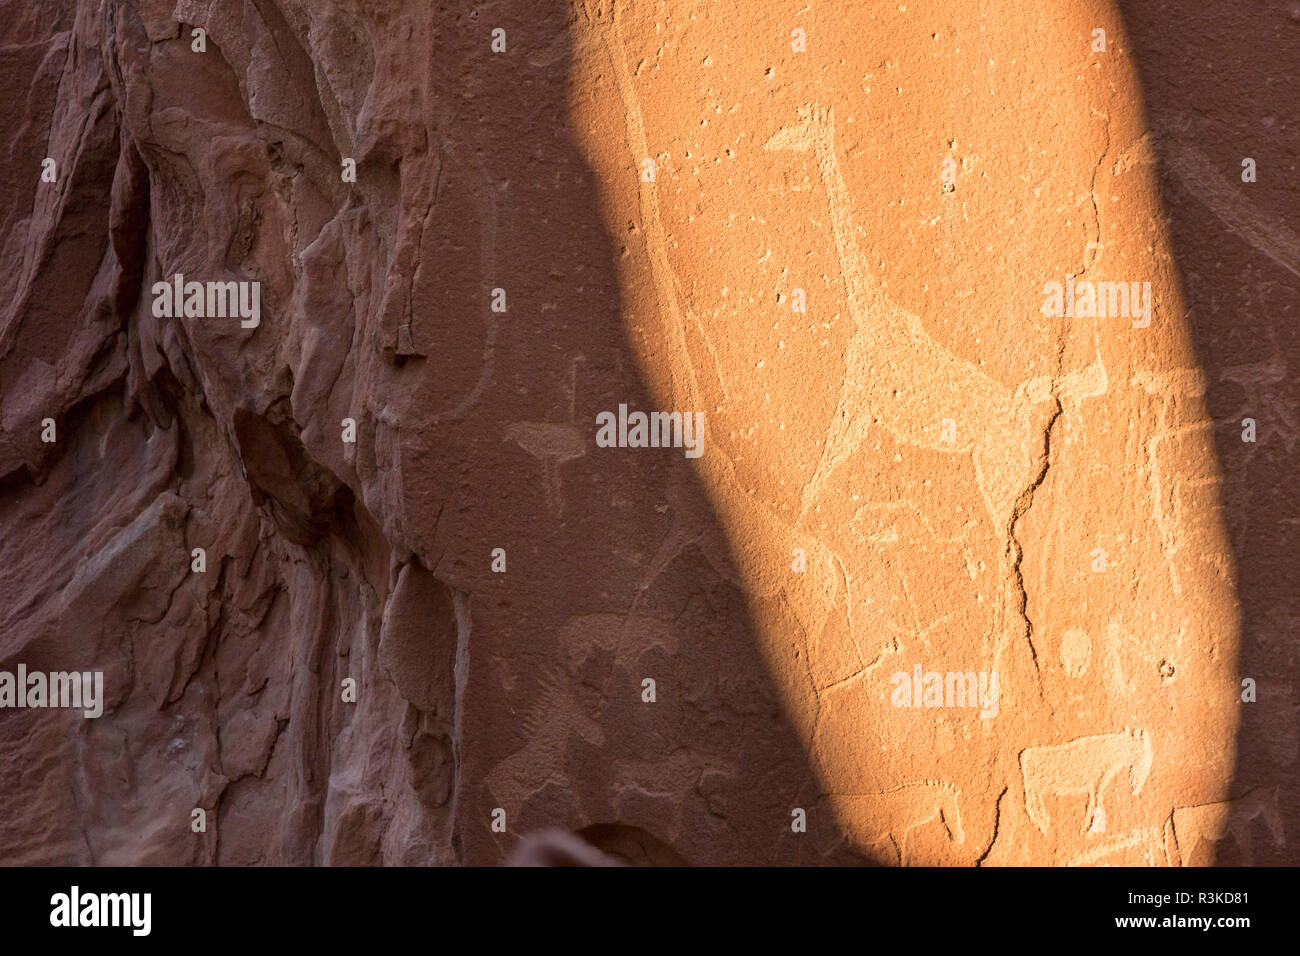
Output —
(815, 121)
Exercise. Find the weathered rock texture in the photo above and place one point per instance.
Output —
(905, 461)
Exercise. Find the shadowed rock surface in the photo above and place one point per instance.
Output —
(328, 560)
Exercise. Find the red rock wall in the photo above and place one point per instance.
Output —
(742, 210)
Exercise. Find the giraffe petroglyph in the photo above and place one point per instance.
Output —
(899, 377)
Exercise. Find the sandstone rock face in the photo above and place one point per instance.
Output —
(369, 582)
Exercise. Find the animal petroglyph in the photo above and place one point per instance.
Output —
(1083, 766)
(552, 444)
(1263, 230)
(765, 570)
(899, 377)
(1277, 716)
(897, 373)
(1259, 381)
(1076, 648)
(1150, 840)
(884, 819)
(1213, 822)
(1173, 388)
(553, 719)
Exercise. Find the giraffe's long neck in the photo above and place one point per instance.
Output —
(864, 295)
